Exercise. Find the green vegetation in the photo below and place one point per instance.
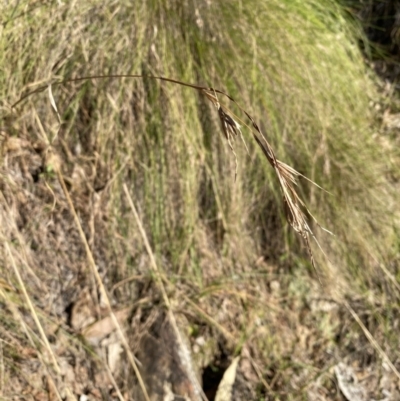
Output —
(296, 67)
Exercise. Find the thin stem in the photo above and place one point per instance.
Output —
(102, 288)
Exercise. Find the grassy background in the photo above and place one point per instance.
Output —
(293, 65)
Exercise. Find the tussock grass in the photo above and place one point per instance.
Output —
(294, 207)
(292, 65)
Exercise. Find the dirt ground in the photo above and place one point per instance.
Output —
(305, 345)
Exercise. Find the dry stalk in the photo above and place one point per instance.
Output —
(35, 318)
(229, 337)
(372, 340)
(102, 289)
(1, 368)
(159, 280)
(90, 257)
(295, 209)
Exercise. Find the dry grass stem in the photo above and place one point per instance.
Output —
(36, 320)
(32, 309)
(102, 289)
(372, 340)
(183, 349)
(93, 267)
(228, 336)
(1, 368)
(295, 209)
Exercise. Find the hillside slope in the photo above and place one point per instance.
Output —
(216, 258)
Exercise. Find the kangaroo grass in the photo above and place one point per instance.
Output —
(296, 212)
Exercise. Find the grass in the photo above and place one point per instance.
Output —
(220, 237)
(295, 210)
